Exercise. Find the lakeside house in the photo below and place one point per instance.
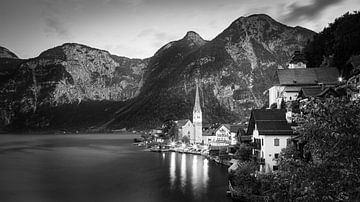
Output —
(218, 135)
(290, 81)
(270, 132)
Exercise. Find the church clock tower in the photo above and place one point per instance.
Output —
(197, 117)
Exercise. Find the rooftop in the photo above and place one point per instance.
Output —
(308, 76)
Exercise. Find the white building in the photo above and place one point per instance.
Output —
(291, 81)
(185, 128)
(217, 136)
(270, 133)
(197, 118)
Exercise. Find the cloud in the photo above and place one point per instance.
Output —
(308, 11)
(53, 25)
(157, 37)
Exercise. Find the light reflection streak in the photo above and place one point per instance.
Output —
(195, 173)
(172, 170)
(205, 173)
(183, 171)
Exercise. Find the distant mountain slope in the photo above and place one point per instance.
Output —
(71, 73)
(235, 69)
(5, 53)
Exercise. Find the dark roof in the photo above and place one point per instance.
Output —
(298, 57)
(209, 132)
(307, 92)
(308, 76)
(181, 123)
(235, 128)
(269, 121)
(310, 91)
(268, 114)
(273, 127)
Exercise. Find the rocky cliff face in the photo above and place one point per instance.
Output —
(235, 70)
(71, 73)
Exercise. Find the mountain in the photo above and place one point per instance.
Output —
(5, 53)
(235, 69)
(79, 87)
(66, 75)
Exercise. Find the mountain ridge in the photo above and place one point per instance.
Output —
(234, 69)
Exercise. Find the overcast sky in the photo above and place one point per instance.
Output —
(137, 28)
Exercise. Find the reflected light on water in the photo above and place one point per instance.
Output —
(205, 173)
(195, 173)
(163, 155)
(172, 170)
(183, 171)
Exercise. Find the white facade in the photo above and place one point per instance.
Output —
(222, 137)
(233, 138)
(270, 150)
(277, 93)
(209, 140)
(186, 130)
(297, 65)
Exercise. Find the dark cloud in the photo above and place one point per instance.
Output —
(308, 11)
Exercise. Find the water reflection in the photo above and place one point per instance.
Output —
(205, 172)
(183, 171)
(172, 170)
(193, 172)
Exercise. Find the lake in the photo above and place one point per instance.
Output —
(99, 167)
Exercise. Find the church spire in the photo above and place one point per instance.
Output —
(197, 107)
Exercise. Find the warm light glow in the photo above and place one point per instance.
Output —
(172, 144)
(172, 170)
(205, 173)
(183, 171)
(340, 79)
(183, 145)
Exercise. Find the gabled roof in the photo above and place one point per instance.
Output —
(181, 123)
(269, 122)
(308, 76)
(307, 92)
(310, 91)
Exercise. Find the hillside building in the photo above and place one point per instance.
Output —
(270, 132)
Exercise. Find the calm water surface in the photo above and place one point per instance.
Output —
(102, 168)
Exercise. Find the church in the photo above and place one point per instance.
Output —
(192, 130)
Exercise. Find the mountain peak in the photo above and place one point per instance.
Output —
(6, 53)
(194, 38)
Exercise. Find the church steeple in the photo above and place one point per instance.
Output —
(197, 116)
(197, 107)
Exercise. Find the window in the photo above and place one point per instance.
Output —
(275, 168)
(276, 142)
(276, 155)
(288, 142)
(262, 142)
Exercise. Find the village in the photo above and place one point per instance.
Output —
(268, 130)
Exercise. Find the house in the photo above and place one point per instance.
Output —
(270, 132)
(317, 91)
(185, 128)
(290, 81)
(217, 135)
(297, 61)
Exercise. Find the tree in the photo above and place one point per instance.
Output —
(244, 152)
(330, 129)
(169, 129)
